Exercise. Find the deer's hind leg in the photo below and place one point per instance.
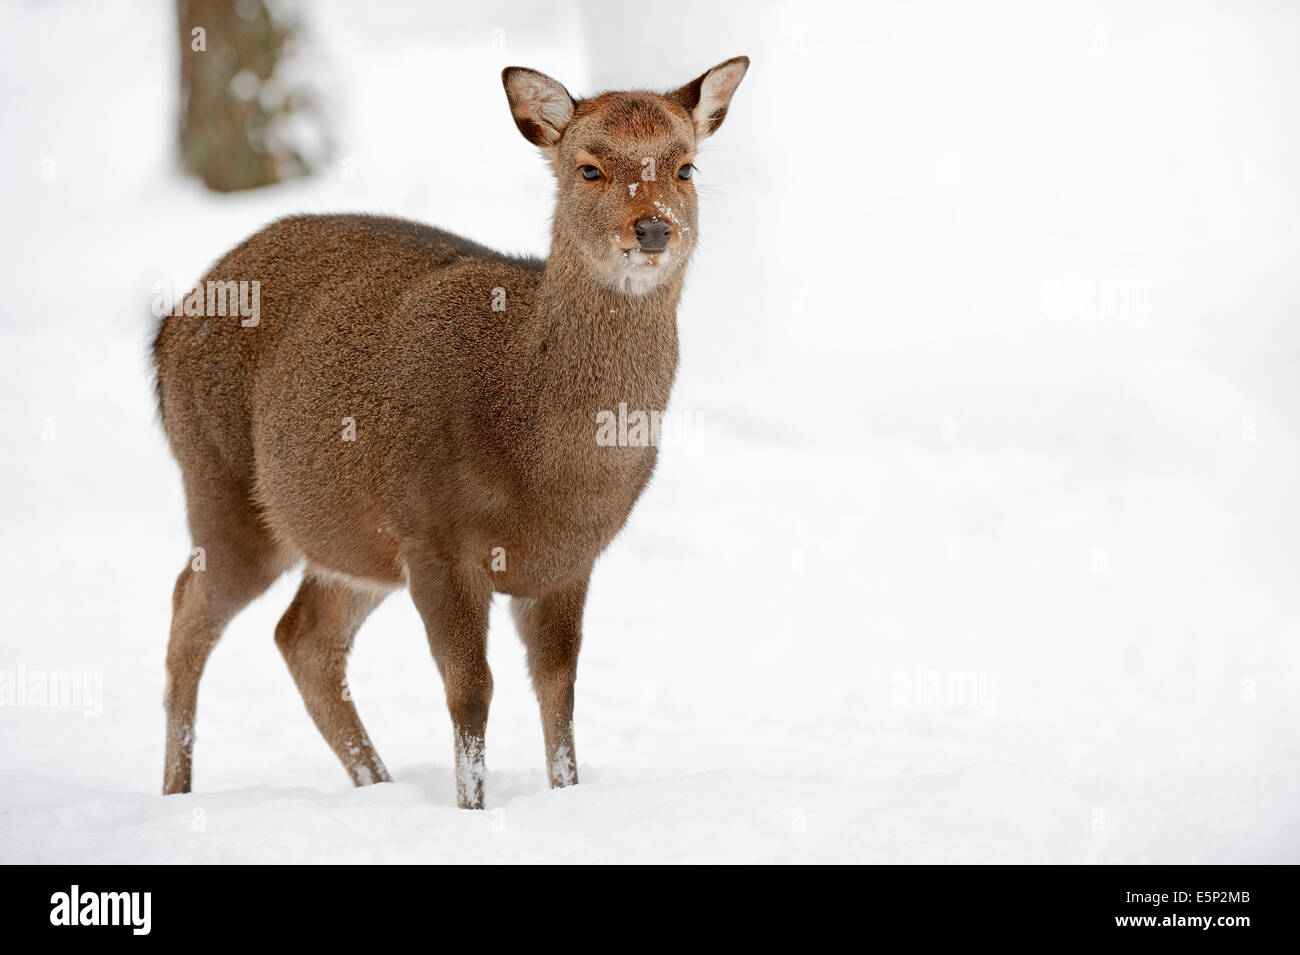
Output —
(234, 560)
(315, 636)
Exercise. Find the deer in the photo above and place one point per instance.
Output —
(409, 408)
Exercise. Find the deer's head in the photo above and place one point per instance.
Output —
(625, 203)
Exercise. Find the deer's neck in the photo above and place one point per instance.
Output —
(596, 346)
(585, 352)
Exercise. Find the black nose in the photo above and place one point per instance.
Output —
(652, 235)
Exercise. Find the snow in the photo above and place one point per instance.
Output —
(985, 551)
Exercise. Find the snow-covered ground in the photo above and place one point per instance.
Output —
(985, 548)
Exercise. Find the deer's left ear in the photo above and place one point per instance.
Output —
(707, 97)
(541, 106)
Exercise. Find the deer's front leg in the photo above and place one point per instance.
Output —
(551, 629)
(453, 603)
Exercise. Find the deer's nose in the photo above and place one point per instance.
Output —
(652, 234)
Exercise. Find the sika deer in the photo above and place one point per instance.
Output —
(409, 407)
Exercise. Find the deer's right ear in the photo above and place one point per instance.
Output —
(541, 106)
(707, 97)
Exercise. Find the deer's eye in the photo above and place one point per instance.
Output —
(685, 172)
(589, 173)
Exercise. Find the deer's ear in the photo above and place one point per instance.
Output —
(707, 97)
(541, 106)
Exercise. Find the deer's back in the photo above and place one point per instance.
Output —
(373, 354)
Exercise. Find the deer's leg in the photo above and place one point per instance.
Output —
(315, 636)
(235, 560)
(551, 629)
(453, 603)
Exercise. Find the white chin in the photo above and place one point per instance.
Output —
(642, 272)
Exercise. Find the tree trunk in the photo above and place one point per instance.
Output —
(229, 111)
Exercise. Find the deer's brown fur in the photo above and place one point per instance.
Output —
(474, 467)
